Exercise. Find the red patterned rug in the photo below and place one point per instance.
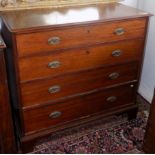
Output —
(113, 135)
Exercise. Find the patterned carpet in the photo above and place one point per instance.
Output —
(113, 135)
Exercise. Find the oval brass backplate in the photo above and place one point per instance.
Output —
(55, 114)
(117, 53)
(111, 99)
(114, 76)
(54, 89)
(119, 31)
(53, 40)
(54, 64)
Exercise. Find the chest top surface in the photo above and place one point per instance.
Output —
(68, 16)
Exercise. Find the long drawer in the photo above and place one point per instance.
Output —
(40, 92)
(40, 67)
(51, 115)
(45, 41)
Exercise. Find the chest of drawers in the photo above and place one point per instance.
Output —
(69, 68)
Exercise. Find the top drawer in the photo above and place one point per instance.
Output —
(40, 42)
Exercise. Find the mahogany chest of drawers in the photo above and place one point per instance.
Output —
(71, 65)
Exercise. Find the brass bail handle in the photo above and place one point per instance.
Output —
(54, 89)
(117, 53)
(54, 64)
(54, 40)
(111, 99)
(114, 76)
(55, 114)
(119, 31)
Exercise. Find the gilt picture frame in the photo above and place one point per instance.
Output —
(8, 5)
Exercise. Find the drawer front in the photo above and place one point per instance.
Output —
(75, 60)
(49, 116)
(41, 42)
(48, 90)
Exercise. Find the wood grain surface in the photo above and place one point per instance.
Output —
(37, 92)
(38, 119)
(79, 59)
(37, 42)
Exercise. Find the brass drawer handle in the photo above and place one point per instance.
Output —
(55, 114)
(54, 41)
(119, 31)
(54, 89)
(111, 99)
(114, 76)
(54, 64)
(116, 53)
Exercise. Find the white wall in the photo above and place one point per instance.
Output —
(132, 3)
(147, 84)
